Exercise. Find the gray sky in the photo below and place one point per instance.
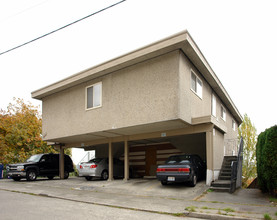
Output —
(238, 39)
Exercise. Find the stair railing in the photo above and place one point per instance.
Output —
(236, 169)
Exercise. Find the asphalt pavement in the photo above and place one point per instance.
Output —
(149, 196)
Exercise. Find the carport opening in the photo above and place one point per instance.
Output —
(145, 155)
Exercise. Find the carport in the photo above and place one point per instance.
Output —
(144, 151)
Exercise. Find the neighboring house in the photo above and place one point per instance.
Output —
(156, 101)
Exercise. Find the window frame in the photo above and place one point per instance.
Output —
(86, 98)
(197, 79)
(233, 125)
(213, 105)
(223, 110)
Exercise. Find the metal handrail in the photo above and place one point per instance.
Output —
(236, 169)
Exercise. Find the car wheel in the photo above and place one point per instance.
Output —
(16, 178)
(31, 175)
(50, 177)
(105, 175)
(66, 174)
(193, 181)
(164, 182)
(88, 178)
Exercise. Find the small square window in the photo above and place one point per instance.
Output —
(94, 96)
(223, 113)
(196, 85)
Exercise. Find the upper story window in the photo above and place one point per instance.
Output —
(213, 105)
(234, 125)
(94, 96)
(223, 113)
(196, 85)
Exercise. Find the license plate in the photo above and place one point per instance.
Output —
(171, 178)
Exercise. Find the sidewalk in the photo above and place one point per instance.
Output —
(149, 195)
(243, 204)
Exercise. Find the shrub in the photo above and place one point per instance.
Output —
(267, 217)
(266, 154)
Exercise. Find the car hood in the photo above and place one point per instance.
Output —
(22, 164)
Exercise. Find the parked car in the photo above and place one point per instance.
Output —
(39, 165)
(182, 168)
(99, 167)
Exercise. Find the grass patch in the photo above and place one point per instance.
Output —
(204, 207)
(178, 214)
(228, 210)
(173, 198)
(274, 200)
(215, 202)
(267, 217)
(190, 208)
(210, 190)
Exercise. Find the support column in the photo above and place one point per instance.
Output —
(210, 158)
(110, 162)
(126, 160)
(61, 162)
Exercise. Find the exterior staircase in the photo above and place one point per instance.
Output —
(223, 184)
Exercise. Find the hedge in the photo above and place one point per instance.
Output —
(266, 155)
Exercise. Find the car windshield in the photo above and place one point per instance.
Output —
(182, 159)
(34, 158)
(95, 160)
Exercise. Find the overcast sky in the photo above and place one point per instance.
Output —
(238, 39)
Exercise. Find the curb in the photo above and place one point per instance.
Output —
(215, 216)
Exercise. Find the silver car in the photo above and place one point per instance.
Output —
(99, 167)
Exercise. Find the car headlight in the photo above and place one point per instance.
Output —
(20, 168)
(7, 168)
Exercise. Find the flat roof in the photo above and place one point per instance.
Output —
(180, 41)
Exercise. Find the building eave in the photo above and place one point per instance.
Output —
(180, 41)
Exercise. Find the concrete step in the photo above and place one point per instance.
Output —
(226, 169)
(227, 163)
(220, 189)
(224, 177)
(224, 173)
(229, 160)
(230, 157)
(222, 183)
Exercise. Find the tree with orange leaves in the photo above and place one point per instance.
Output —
(20, 133)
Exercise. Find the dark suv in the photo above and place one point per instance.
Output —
(39, 165)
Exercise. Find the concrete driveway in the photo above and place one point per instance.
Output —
(142, 187)
(148, 195)
(139, 194)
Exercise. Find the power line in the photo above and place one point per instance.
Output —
(74, 22)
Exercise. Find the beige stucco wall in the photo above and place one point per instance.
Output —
(230, 137)
(191, 144)
(218, 141)
(191, 105)
(140, 94)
